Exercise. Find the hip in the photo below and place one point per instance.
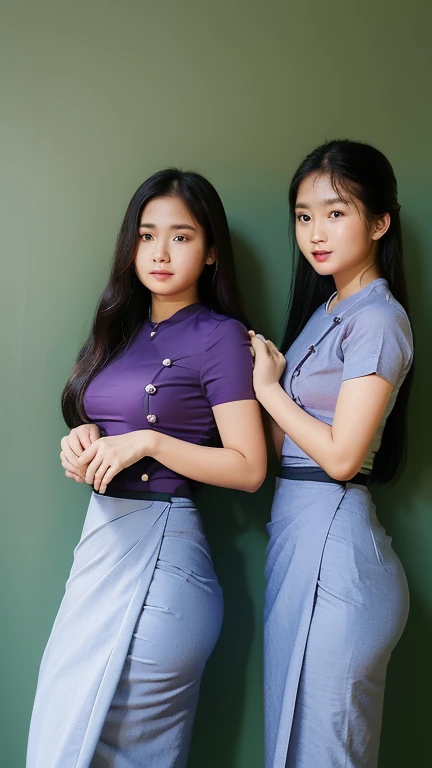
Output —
(115, 527)
(351, 531)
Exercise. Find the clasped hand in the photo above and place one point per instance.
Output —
(88, 458)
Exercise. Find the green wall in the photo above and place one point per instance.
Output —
(96, 96)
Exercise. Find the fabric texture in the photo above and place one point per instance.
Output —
(336, 605)
(119, 679)
(337, 597)
(368, 332)
(169, 379)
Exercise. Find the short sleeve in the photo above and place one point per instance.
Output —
(379, 341)
(226, 369)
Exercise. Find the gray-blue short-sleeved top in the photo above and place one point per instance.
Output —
(368, 332)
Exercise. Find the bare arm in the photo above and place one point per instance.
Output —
(277, 435)
(241, 463)
(339, 449)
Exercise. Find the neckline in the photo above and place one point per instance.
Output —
(178, 316)
(354, 296)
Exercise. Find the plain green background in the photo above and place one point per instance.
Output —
(96, 96)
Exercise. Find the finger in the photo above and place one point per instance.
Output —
(70, 467)
(251, 333)
(88, 434)
(274, 352)
(272, 347)
(260, 336)
(278, 356)
(77, 478)
(259, 345)
(75, 442)
(112, 472)
(94, 433)
(68, 452)
(99, 474)
(92, 469)
(88, 455)
(252, 351)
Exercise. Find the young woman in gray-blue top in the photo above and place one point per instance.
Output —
(337, 597)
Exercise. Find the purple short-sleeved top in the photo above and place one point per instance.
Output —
(168, 379)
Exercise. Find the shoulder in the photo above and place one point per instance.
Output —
(379, 311)
(226, 368)
(224, 329)
(377, 338)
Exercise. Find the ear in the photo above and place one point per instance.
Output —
(380, 226)
(211, 256)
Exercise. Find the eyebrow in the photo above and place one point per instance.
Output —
(143, 225)
(330, 201)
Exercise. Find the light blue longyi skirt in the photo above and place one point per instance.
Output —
(336, 605)
(119, 680)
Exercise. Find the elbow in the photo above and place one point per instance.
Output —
(254, 480)
(343, 471)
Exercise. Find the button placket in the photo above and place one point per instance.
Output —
(311, 351)
(296, 373)
(154, 329)
(151, 390)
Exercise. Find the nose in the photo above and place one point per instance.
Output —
(318, 234)
(161, 253)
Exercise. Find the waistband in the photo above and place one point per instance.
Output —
(138, 495)
(318, 475)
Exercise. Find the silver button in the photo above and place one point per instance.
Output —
(151, 418)
(144, 478)
(153, 333)
(150, 389)
(167, 362)
(296, 373)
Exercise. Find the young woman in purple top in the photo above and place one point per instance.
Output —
(337, 598)
(160, 398)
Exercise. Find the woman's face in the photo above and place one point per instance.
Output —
(172, 250)
(335, 236)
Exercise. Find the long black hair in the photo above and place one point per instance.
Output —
(125, 302)
(357, 171)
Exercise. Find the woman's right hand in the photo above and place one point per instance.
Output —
(73, 445)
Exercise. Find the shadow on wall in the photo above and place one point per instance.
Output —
(227, 516)
(406, 724)
(252, 281)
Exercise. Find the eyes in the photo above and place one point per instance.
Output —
(147, 237)
(305, 218)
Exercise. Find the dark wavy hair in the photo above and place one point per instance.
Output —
(125, 302)
(360, 172)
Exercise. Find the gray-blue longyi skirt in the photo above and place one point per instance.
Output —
(336, 605)
(119, 680)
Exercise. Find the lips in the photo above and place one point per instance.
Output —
(161, 273)
(321, 255)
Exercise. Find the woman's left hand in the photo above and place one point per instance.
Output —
(269, 363)
(107, 456)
